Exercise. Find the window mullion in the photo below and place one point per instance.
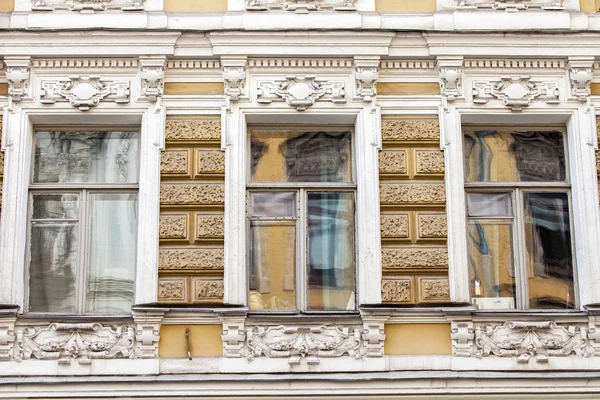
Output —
(301, 249)
(520, 253)
(83, 240)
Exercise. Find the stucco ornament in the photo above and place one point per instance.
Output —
(515, 92)
(510, 5)
(301, 92)
(84, 92)
(303, 343)
(301, 6)
(17, 74)
(87, 5)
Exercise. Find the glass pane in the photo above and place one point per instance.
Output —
(512, 156)
(489, 204)
(548, 244)
(331, 281)
(55, 206)
(53, 266)
(86, 157)
(292, 156)
(272, 266)
(491, 265)
(112, 252)
(273, 204)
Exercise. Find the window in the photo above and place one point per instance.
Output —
(520, 251)
(301, 213)
(83, 221)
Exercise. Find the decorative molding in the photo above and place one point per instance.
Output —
(412, 193)
(398, 129)
(7, 337)
(190, 259)
(152, 75)
(510, 5)
(234, 76)
(17, 70)
(396, 290)
(175, 162)
(84, 92)
(432, 225)
(414, 257)
(209, 226)
(408, 64)
(199, 194)
(301, 6)
(434, 289)
(515, 92)
(525, 340)
(429, 162)
(172, 290)
(450, 70)
(300, 92)
(147, 331)
(366, 73)
(193, 64)
(87, 6)
(512, 63)
(84, 63)
(207, 289)
(462, 335)
(300, 63)
(395, 226)
(393, 162)
(82, 342)
(173, 226)
(233, 336)
(373, 335)
(581, 72)
(193, 130)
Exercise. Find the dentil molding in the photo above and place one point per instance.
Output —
(84, 92)
(300, 92)
(87, 5)
(301, 6)
(515, 92)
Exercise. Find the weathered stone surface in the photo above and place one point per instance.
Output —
(190, 258)
(210, 162)
(207, 289)
(174, 162)
(392, 162)
(415, 257)
(172, 290)
(193, 129)
(410, 129)
(413, 193)
(434, 289)
(396, 290)
(209, 226)
(200, 194)
(429, 161)
(173, 226)
(395, 226)
(434, 225)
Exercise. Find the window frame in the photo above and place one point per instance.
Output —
(301, 190)
(581, 141)
(517, 189)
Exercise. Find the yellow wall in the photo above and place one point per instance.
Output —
(417, 339)
(203, 88)
(405, 6)
(7, 5)
(588, 6)
(408, 88)
(195, 6)
(205, 341)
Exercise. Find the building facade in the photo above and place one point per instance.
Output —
(290, 199)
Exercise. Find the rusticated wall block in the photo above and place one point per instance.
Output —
(210, 226)
(410, 129)
(175, 162)
(190, 259)
(395, 226)
(429, 162)
(432, 225)
(397, 290)
(434, 289)
(200, 194)
(210, 162)
(413, 193)
(415, 257)
(207, 289)
(174, 226)
(193, 129)
(392, 162)
(172, 290)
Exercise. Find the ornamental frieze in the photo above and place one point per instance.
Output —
(87, 5)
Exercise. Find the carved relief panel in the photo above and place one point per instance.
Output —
(87, 5)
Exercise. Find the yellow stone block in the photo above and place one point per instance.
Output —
(405, 6)
(191, 88)
(7, 6)
(589, 6)
(195, 6)
(408, 88)
(205, 341)
(417, 339)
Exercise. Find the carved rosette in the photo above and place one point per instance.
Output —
(300, 92)
(84, 92)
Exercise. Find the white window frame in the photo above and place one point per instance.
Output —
(580, 123)
(17, 142)
(365, 118)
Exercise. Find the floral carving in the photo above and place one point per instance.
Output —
(301, 92)
(303, 343)
(210, 162)
(205, 289)
(415, 257)
(392, 162)
(82, 342)
(394, 226)
(527, 340)
(84, 92)
(515, 92)
(209, 226)
(430, 161)
(413, 193)
(173, 227)
(433, 290)
(190, 259)
(174, 162)
(432, 226)
(171, 289)
(193, 129)
(202, 194)
(396, 290)
(410, 129)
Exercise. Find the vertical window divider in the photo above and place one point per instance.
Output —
(301, 252)
(520, 251)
